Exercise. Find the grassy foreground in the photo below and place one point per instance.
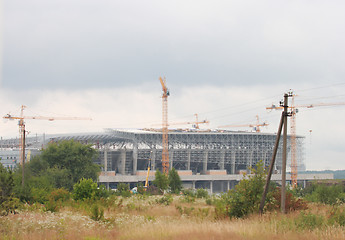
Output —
(141, 217)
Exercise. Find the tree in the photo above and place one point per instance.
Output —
(175, 183)
(246, 196)
(6, 184)
(161, 181)
(65, 163)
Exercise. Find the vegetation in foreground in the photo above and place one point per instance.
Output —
(55, 204)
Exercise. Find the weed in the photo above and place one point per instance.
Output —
(165, 200)
(97, 213)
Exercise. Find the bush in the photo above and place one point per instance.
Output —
(337, 216)
(175, 183)
(97, 213)
(85, 189)
(292, 203)
(201, 193)
(323, 193)
(123, 190)
(161, 181)
(165, 200)
(60, 194)
(188, 192)
(246, 196)
(309, 221)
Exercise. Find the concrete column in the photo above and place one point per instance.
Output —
(204, 164)
(193, 184)
(105, 160)
(171, 158)
(135, 157)
(211, 187)
(228, 185)
(233, 162)
(153, 159)
(107, 185)
(123, 161)
(222, 160)
(304, 183)
(188, 158)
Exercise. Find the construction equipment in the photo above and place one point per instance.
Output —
(148, 174)
(293, 111)
(23, 132)
(256, 126)
(195, 124)
(165, 144)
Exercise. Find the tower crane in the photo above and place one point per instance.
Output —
(255, 126)
(195, 123)
(165, 152)
(22, 131)
(294, 110)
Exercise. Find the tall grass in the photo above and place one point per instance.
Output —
(146, 218)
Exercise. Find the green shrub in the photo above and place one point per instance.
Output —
(201, 193)
(51, 206)
(9, 206)
(337, 216)
(60, 194)
(97, 213)
(165, 200)
(85, 189)
(323, 193)
(309, 221)
(188, 199)
(188, 192)
(175, 182)
(123, 190)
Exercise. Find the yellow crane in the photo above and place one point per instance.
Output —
(165, 144)
(195, 123)
(22, 131)
(294, 110)
(256, 126)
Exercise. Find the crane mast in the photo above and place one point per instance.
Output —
(165, 143)
(293, 143)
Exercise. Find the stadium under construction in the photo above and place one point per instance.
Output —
(212, 159)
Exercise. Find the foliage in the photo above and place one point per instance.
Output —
(97, 213)
(309, 221)
(246, 196)
(85, 189)
(6, 184)
(165, 200)
(325, 194)
(123, 190)
(8, 203)
(175, 182)
(188, 192)
(292, 203)
(337, 216)
(201, 193)
(161, 181)
(64, 163)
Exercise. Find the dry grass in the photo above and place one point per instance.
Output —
(137, 218)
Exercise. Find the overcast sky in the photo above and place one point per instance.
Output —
(226, 60)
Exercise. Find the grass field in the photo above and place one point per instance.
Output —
(141, 217)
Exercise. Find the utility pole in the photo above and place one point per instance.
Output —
(283, 123)
(268, 179)
(283, 192)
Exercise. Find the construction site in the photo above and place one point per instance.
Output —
(204, 158)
